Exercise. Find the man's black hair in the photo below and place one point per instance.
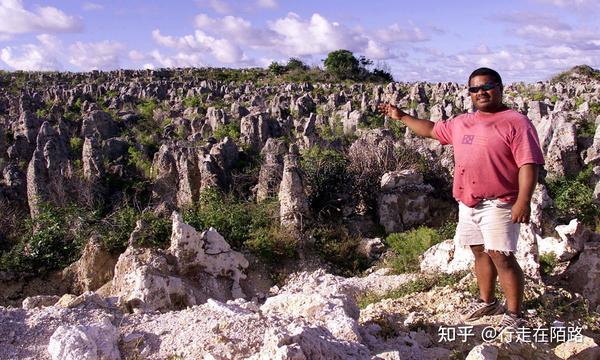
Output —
(486, 71)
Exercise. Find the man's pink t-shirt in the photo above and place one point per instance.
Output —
(489, 149)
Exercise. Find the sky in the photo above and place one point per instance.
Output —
(419, 40)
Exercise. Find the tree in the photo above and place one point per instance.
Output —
(276, 69)
(342, 64)
(296, 64)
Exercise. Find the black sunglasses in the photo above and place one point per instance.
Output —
(484, 87)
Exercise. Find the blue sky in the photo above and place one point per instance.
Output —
(526, 40)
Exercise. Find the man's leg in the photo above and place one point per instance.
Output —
(511, 279)
(486, 273)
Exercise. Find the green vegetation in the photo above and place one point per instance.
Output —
(52, 241)
(244, 223)
(343, 65)
(116, 228)
(574, 197)
(335, 244)
(76, 146)
(141, 161)
(146, 108)
(581, 70)
(373, 121)
(421, 284)
(548, 263)
(325, 174)
(408, 246)
(231, 130)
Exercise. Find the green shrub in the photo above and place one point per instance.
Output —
(236, 220)
(334, 244)
(408, 246)
(231, 130)
(51, 241)
(146, 109)
(272, 242)
(76, 146)
(193, 102)
(373, 121)
(547, 263)
(326, 177)
(538, 96)
(573, 197)
(140, 161)
(116, 228)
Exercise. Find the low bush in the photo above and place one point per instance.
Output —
(574, 198)
(116, 228)
(51, 241)
(231, 130)
(336, 245)
(547, 263)
(235, 219)
(326, 178)
(408, 246)
(272, 242)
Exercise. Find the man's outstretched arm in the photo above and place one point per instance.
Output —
(418, 126)
(521, 210)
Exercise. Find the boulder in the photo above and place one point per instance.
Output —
(207, 251)
(94, 268)
(90, 342)
(403, 200)
(584, 348)
(572, 239)
(583, 274)
(48, 170)
(99, 124)
(447, 257)
(39, 301)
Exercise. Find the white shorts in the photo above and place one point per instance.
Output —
(489, 224)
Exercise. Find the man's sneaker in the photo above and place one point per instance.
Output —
(510, 322)
(480, 308)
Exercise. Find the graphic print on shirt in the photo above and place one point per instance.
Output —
(474, 140)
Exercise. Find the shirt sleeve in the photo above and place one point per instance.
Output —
(525, 146)
(443, 131)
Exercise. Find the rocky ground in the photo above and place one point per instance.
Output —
(315, 315)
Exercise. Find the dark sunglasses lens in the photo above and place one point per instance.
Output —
(485, 87)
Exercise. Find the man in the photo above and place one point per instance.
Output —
(496, 155)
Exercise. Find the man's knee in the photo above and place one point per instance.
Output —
(503, 259)
(478, 250)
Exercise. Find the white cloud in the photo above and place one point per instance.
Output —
(15, 19)
(236, 29)
(221, 6)
(316, 36)
(180, 59)
(268, 4)
(90, 6)
(136, 55)
(34, 57)
(377, 51)
(104, 55)
(576, 5)
(223, 50)
(395, 33)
